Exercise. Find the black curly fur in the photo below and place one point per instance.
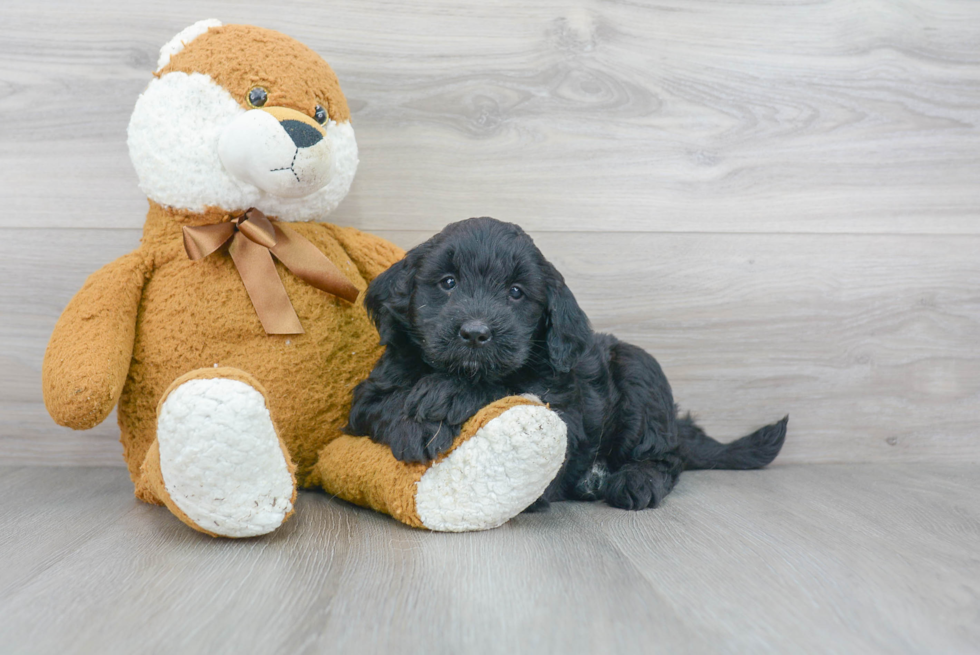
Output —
(455, 346)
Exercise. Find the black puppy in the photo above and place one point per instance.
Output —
(477, 313)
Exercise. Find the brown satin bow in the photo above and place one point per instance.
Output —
(253, 239)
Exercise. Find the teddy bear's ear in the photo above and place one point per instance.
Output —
(185, 36)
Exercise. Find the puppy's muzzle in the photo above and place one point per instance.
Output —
(475, 334)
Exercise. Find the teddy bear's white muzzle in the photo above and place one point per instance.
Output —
(284, 157)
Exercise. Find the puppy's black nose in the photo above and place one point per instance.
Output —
(303, 135)
(474, 333)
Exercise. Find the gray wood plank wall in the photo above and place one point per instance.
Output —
(779, 199)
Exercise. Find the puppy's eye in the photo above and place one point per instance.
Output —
(320, 115)
(257, 96)
(516, 293)
(448, 283)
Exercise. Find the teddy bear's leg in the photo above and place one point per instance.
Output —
(218, 463)
(502, 461)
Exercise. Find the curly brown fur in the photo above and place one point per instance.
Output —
(477, 313)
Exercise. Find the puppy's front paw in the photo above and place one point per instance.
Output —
(422, 441)
(439, 399)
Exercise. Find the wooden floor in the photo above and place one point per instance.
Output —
(824, 558)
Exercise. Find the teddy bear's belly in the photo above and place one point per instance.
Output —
(198, 314)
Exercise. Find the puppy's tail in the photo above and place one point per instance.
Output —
(699, 451)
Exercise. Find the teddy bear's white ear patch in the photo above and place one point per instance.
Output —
(185, 36)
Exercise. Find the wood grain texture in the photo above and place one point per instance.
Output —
(41, 270)
(668, 115)
(778, 199)
(850, 559)
(868, 342)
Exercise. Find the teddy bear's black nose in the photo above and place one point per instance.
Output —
(303, 135)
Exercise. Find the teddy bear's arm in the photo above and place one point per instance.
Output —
(89, 353)
(371, 254)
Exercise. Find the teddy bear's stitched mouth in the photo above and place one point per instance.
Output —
(302, 136)
(290, 167)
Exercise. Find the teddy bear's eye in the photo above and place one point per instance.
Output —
(257, 96)
(320, 114)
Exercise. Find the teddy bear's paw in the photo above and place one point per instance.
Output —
(222, 462)
(494, 475)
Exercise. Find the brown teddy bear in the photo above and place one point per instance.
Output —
(232, 338)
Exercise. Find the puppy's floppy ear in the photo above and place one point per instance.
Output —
(567, 327)
(388, 300)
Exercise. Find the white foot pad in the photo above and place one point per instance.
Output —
(221, 460)
(496, 474)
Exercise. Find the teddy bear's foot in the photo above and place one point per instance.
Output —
(218, 462)
(495, 474)
(502, 461)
